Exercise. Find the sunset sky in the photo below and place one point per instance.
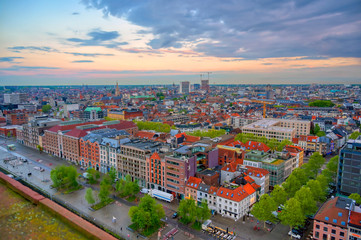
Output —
(47, 42)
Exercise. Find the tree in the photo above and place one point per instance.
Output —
(147, 214)
(321, 103)
(203, 212)
(332, 165)
(46, 108)
(93, 175)
(321, 134)
(323, 182)
(187, 210)
(112, 174)
(127, 187)
(263, 209)
(300, 174)
(104, 191)
(292, 214)
(308, 203)
(283, 144)
(279, 195)
(317, 192)
(291, 185)
(314, 165)
(64, 177)
(356, 197)
(315, 129)
(40, 148)
(89, 196)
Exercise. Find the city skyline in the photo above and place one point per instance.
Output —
(158, 42)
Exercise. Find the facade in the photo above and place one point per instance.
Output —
(235, 202)
(330, 221)
(184, 87)
(15, 98)
(228, 154)
(354, 225)
(93, 113)
(109, 148)
(124, 114)
(178, 168)
(155, 166)
(279, 129)
(132, 159)
(349, 168)
(192, 187)
(202, 193)
(205, 85)
(209, 177)
(36, 127)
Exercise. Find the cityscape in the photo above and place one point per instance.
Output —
(180, 120)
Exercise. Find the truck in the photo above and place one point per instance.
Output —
(161, 195)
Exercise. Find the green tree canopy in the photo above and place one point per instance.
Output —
(321, 103)
(46, 108)
(112, 174)
(93, 175)
(147, 214)
(89, 196)
(263, 209)
(318, 193)
(356, 197)
(291, 185)
(279, 195)
(308, 203)
(203, 212)
(212, 133)
(187, 210)
(64, 177)
(104, 192)
(156, 126)
(300, 174)
(292, 214)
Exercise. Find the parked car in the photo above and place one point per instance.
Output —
(268, 222)
(10, 175)
(144, 191)
(39, 169)
(295, 233)
(175, 215)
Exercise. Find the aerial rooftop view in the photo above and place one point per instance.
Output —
(180, 120)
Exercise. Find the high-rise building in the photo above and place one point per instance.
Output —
(205, 85)
(349, 168)
(184, 87)
(15, 98)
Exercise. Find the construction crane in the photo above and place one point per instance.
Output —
(264, 105)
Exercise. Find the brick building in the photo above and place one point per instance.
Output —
(155, 166)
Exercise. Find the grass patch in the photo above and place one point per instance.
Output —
(197, 225)
(102, 204)
(73, 189)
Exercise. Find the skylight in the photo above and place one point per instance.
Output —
(340, 214)
(326, 218)
(334, 220)
(343, 223)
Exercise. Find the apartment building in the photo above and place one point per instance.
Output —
(191, 188)
(354, 225)
(132, 158)
(179, 166)
(15, 98)
(36, 127)
(330, 221)
(279, 129)
(202, 193)
(234, 202)
(109, 148)
(349, 168)
(124, 114)
(156, 169)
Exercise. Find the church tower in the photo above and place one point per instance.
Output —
(117, 92)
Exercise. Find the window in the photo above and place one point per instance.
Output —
(317, 234)
(342, 234)
(317, 226)
(325, 229)
(333, 231)
(324, 236)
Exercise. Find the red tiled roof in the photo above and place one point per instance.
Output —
(144, 134)
(230, 167)
(72, 126)
(248, 179)
(238, 142)
(328, 212)
(312, 138)
(213, 190)
(236, 195)
(249, 189)
(155, 155)
(78, 133)
(193, 182)
(254, 171)
(251, 145)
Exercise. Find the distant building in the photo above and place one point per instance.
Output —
(124, 114)
(184, 88)
(349, 168)
(15, 98)
(205, 85)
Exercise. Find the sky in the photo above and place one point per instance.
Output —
(102, 42)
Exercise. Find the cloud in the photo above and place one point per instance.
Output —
(89, 54)
(83, 61)
(32, 48)
(98, 37)
(75, 13)
(262, 29)
(20, 68)
(9, 59)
